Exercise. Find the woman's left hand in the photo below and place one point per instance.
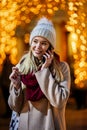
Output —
(48, 59)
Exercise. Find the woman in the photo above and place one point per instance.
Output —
(40, 83)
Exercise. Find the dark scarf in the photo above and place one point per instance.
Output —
(33, 91)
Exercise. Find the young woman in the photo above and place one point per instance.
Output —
(40, 83)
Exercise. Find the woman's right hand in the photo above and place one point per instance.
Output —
(15, 77)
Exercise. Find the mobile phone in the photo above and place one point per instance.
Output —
(43, 59)
(50, 48)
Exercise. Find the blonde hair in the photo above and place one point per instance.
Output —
(29, 64)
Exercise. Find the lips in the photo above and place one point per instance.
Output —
(38, 52)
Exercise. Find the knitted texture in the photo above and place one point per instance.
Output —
(44, 28)
(33, 91)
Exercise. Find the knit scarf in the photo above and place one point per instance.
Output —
(33, 91)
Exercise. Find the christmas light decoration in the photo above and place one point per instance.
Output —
(21, 12)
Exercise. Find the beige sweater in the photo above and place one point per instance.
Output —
(47, 113)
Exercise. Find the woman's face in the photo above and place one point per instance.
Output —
(39, 46)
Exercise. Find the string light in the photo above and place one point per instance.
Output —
(21, 12)
(77, 21)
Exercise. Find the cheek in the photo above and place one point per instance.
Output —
(45, 49)
(32, 46)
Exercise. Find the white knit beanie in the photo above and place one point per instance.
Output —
(44, 28)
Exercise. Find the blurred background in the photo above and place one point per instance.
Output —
(17, 19)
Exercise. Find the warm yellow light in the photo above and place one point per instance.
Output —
(77, 71)
(26, 38)
(50, 11)
(55, 8)
(77, 21)
(17, 13)
(82, 37)
(82, 47)
(69, 28)
(74, 48)
(39, 6)
(75, 56)
(78, 31)
(74, 36)
(82, 53)
(81, 64)
(83, 25)
(71, 5)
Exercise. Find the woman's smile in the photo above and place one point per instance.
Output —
(37, 51)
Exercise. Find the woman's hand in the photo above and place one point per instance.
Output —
(48, 59)
(15, 77)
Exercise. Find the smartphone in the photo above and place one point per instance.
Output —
(50, 48)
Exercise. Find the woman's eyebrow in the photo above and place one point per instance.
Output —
(45, 41)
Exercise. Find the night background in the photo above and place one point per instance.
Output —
(17, 19)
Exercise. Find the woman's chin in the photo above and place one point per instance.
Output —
(37, 56)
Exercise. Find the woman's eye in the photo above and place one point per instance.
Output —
(35, 41)
(44, 43)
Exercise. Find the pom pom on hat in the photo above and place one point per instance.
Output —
(44, 28)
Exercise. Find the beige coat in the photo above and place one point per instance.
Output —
(47, 113)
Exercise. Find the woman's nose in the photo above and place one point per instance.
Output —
(39, 45)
